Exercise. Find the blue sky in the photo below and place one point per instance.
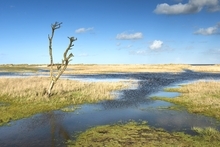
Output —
(111, 31)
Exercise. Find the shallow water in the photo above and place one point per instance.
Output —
(55, 127)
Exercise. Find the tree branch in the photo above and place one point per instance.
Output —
(66, 59)
(54, 26)
(72, 39)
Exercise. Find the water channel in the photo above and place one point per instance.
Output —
(135, 103)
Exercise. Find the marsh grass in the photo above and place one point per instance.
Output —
(133, 134)
(25, 96)
(202, 97)
(203, 68)
(211, 132)
(135, 68)
(115, 68)
(124, 68)
(19, 68)
(103, 68)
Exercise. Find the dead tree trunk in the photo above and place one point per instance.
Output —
(65, 61)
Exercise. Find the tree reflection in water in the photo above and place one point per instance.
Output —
(44, 129)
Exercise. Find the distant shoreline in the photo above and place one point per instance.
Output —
(112, 68)
(202, 64)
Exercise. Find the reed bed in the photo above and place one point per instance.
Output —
(33, 88)
(201, 97)
(213, 68)
(26, 96)
(114, 68)
(124, 68)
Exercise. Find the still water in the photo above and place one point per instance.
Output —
(135, 103)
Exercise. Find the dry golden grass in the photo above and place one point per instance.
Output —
(213, 68)
(33, 88)
(200, 97)
(126, 68)
(115, 68)
(118, 68)
(19, 68)
(23, 97)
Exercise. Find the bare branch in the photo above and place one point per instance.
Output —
(66, 59)
(72, 39)
(56, 25)
(70, 55)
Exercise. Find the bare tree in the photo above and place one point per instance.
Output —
(54, 76)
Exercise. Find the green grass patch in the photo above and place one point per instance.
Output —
(133, 134)
(202, 97)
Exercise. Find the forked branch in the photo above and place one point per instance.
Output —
(66, 59)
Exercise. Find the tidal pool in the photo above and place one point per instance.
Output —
(55, 127)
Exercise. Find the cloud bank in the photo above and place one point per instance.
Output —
(125, 36)
(156, 44)
(209, 31)
(83, 30)
(193, 6)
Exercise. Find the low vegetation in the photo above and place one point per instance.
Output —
(133, 134)
(124, 68)
(203, 68)
(202, 97)
(18, 68)
(23, 97)
(115, 68)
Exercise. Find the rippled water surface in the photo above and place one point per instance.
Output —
(55, 127)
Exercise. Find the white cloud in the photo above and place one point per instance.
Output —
(193, 6)
(156, 44)
(83, 30)
(208, 31)
(125, 36)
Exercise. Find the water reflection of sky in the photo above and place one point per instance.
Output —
(52, 128)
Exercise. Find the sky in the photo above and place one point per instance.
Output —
(111, 31)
